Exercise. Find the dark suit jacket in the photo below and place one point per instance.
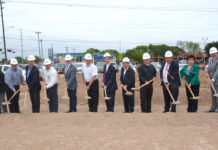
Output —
(173, 71)
(110, 79)
(33, 81)
(2, 82)
(129, 79)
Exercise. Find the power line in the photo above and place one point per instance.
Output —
(211, 10)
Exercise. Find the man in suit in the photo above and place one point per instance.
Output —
(169, 74)
(127, 79)
(212, 74)
(146, 73)
(33, 82)
(71, 83)
(109, 82)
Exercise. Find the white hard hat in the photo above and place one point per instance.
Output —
(213, 50)
(13, 61)
(47, 61)
(126, 59)
(168, 54)
(146, 56)
(107, 55)
(68, 57)
(88, 57)
(31, 58)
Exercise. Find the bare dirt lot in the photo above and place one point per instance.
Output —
(102, 130)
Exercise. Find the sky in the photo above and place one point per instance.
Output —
(106, 24)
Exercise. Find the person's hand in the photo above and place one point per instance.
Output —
(125, 87)
(154, 78)
(212, 83)
(87, 87)
(84, 82)
(105, 88)
(183, 78)
(168, 85)
(190, 85)
(24, 84)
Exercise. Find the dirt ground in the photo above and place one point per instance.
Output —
(102, 130)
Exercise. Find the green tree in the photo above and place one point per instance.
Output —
(189, 46)
(209, 45)
(136, 53)
(38, 59)
(92, 50)
(113, 52)
(159, 50)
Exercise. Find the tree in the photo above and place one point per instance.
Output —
(20, 60)
(189, 46)
(113, 52)
(92, 50)
(38, 59)
(209, 45)
(136, 53)
(159, 50)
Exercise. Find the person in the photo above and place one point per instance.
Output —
(13, 79)
(50, 77)
(33, 82)
(146, 73)
(190, 74)
(127, 79)
(212, 74)
(169, 74)
(109, 82)
(3, 108)
(90, 79)
(71, 83)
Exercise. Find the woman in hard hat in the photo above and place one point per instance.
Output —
(13, 79)
(169, 74)
(127, 78)
(212, 74)
(190, 74)
(33, 82)
(146, 72)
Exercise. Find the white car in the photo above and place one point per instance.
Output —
(78, 66)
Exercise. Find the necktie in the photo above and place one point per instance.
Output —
(67, 67)
(104, 73)
(166, 71)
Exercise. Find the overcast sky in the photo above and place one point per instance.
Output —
(105, 24)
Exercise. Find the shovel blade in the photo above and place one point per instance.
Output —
(195, 98)
(6, 103)
(216, 95)
(129, 94)
(107, 98)
(176, 102)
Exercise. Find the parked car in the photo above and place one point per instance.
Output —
(59, 68)
(78, 66)
(22, 67)
(100, 66)
(4, 68)
(115, 66)
(156, 65)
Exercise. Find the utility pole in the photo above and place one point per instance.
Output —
(21, 43)
(39, 44)
(42, 48)
(3, 31)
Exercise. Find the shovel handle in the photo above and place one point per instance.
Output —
(169, 92)
(124, 88)
(146, 83)
(13, 95)
(189, 89)
(212, 86)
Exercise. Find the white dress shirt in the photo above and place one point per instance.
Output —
(165, 72)
(50, 76)
(107, 65)
(89, 72)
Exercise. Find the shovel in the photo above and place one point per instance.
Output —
(128, 93)
(65, 94)
(87, 96)
(105, 97)
(147, 83)
(45, 96)
(215, 93)
(193, 96)
(174, 102)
